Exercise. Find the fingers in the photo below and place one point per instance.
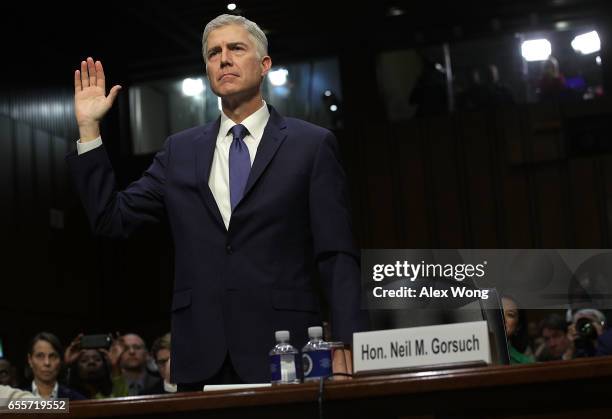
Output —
(84, 74)
(91, 68)
(91, 74)
(77, 81)
(113, 93)
(100, 79)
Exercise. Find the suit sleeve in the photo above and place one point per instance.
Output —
(115, 213)
(334, 249)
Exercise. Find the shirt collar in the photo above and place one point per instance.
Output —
(254, 123)
(169, 387)
(53, 392)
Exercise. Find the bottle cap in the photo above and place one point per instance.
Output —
(282, 335)
(315, 332)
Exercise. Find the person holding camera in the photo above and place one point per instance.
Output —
(587, 326)
(96, 372)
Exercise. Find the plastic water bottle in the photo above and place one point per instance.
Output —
(316, 356)
(284, 358)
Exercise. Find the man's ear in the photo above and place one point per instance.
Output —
(266, 64)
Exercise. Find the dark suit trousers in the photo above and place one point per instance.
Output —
(226, 375)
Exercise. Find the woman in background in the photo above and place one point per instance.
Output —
(96, 372)
(45, 367)
(516, 332)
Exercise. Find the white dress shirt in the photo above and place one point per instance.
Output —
(218, 180)
(52, 396)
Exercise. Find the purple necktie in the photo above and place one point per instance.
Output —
(239, 164)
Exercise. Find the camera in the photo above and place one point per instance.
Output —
(96, 341)
(585, 328)
(586, 336)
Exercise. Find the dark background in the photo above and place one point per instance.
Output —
(520, 176)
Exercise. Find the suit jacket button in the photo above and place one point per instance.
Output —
(229, 249)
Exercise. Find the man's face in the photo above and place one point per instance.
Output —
(232, 65)
(556, 341)
(45, 362)
(162, 359)
(135, 355)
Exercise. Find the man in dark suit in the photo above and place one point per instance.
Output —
(257, 205)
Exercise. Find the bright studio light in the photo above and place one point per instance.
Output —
(231, 6)
(192, 87)
(536, 49)
(587, 43)
(333, 108)
(278, 77)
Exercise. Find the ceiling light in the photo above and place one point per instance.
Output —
(193, 87)
(587, 43)
(536, 49)
(278, 77)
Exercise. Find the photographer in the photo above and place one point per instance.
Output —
(587, 326)
(95, 372)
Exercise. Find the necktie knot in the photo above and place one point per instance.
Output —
(239, 132)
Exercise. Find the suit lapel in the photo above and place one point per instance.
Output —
(273, 136)
(205, 150)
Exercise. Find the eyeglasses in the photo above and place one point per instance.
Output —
(136, 347)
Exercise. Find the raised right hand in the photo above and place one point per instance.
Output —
(73, 350)
(90, 100)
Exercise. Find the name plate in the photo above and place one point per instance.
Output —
(421, 346)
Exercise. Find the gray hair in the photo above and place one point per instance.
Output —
(255, 32)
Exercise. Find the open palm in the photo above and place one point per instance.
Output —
(90, 100)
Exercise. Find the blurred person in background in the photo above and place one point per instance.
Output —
(516, 332)
(134, 366)
(588, 324)
(45, 367)
(551, 86)
(96, 373)
(553, 329)
(161, 353)
(7, 374)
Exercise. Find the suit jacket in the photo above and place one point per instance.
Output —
(234, 287)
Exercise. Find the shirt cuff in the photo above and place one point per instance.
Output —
(88, 146)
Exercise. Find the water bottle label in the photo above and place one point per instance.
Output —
(317, 363)
(275, 368)
(284, 368)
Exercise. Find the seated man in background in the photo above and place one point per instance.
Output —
(161, 353)
(553, 329)
(134, 366)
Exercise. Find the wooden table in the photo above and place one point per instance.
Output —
(564, 389)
